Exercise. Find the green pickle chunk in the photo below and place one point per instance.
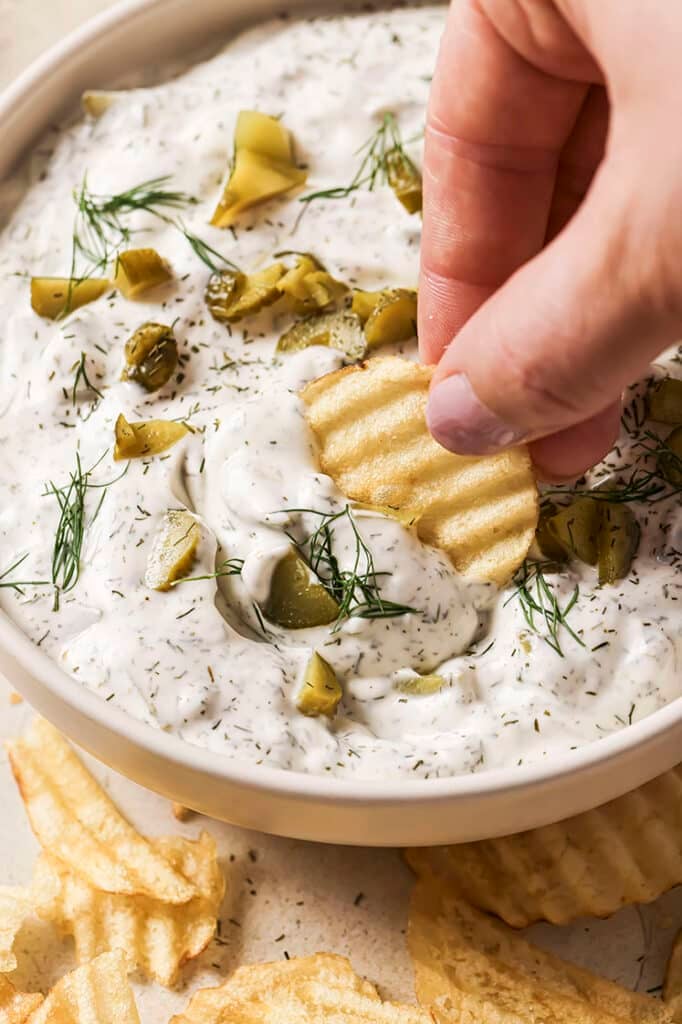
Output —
(576, 528)
(422, 686)
(147, 438)
(665, 401)
(321, 691)
(341, 329)
(405, 180)
(263, 166)
(232, 295)
(151, 355)
(550, 548)
(308, 287)
(173, 550)
(138, 270)
(53, 297)
(618, 541)
(296, 600)
(389, 316)
(670, 460)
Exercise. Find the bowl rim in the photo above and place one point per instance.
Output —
(16, 648)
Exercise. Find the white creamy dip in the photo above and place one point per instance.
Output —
(199, 660)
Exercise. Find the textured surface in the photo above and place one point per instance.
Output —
(628, 851)
(370, 423)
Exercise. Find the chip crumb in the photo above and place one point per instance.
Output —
(15, 698)
(180, 812)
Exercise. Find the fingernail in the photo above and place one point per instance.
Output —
(463, 424)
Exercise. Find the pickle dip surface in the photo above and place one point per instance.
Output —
(202, 660)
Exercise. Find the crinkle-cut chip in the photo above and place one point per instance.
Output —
(75, 820)
(672, 988)
(15, 906)
(469, 967)
(16, 1007)
(97, 993)
(323, 987)
(373, 441)
(628, 851)
(157, 937)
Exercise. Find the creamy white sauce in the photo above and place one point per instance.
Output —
(198, 660)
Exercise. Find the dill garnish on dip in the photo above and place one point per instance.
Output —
(222, 587)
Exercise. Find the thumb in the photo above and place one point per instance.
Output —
(556, 345)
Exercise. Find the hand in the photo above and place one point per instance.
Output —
(552, 249)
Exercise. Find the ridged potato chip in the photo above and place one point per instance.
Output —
(469, 967)
(15, 906)
(323, 987)
(157, 937)
(97, 993)
(16, 1007)
(628, 851)
(370, 424)
(75, 820)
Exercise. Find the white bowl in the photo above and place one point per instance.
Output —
(387, 813)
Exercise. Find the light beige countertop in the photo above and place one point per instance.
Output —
(283, 896)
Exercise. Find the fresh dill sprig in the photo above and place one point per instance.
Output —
(101, 226)
(376, 155)
(81, 377)
(17, 585)
(230, 567)
(539, 602)
(70, 533)
(357, 591)
(643, 484)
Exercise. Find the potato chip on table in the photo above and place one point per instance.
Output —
(469, 967)
(16, 1007)
(15, 906)
(369, 421)
(76, 821)
(323, 987)
(628, 851)
(157, 937)
(97, 993)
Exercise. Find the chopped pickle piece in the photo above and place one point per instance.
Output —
(618, 541)
(422, 686)
(96, 102)
(151, 356)
(308, 287)
(53, 296)
(173, 550)
(137, 270)
(405, 180)
(389, 315)
(321, 691)
(670, 461)
(550, 547)
(342, 330)
(231, 295)
(665, 401)
(297, 600)
(263, 166)
(576, 528)
(151, 437)
(405, 516)
(262, 134)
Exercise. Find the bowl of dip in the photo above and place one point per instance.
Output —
(543, 710)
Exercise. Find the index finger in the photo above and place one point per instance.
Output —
(495, 128)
